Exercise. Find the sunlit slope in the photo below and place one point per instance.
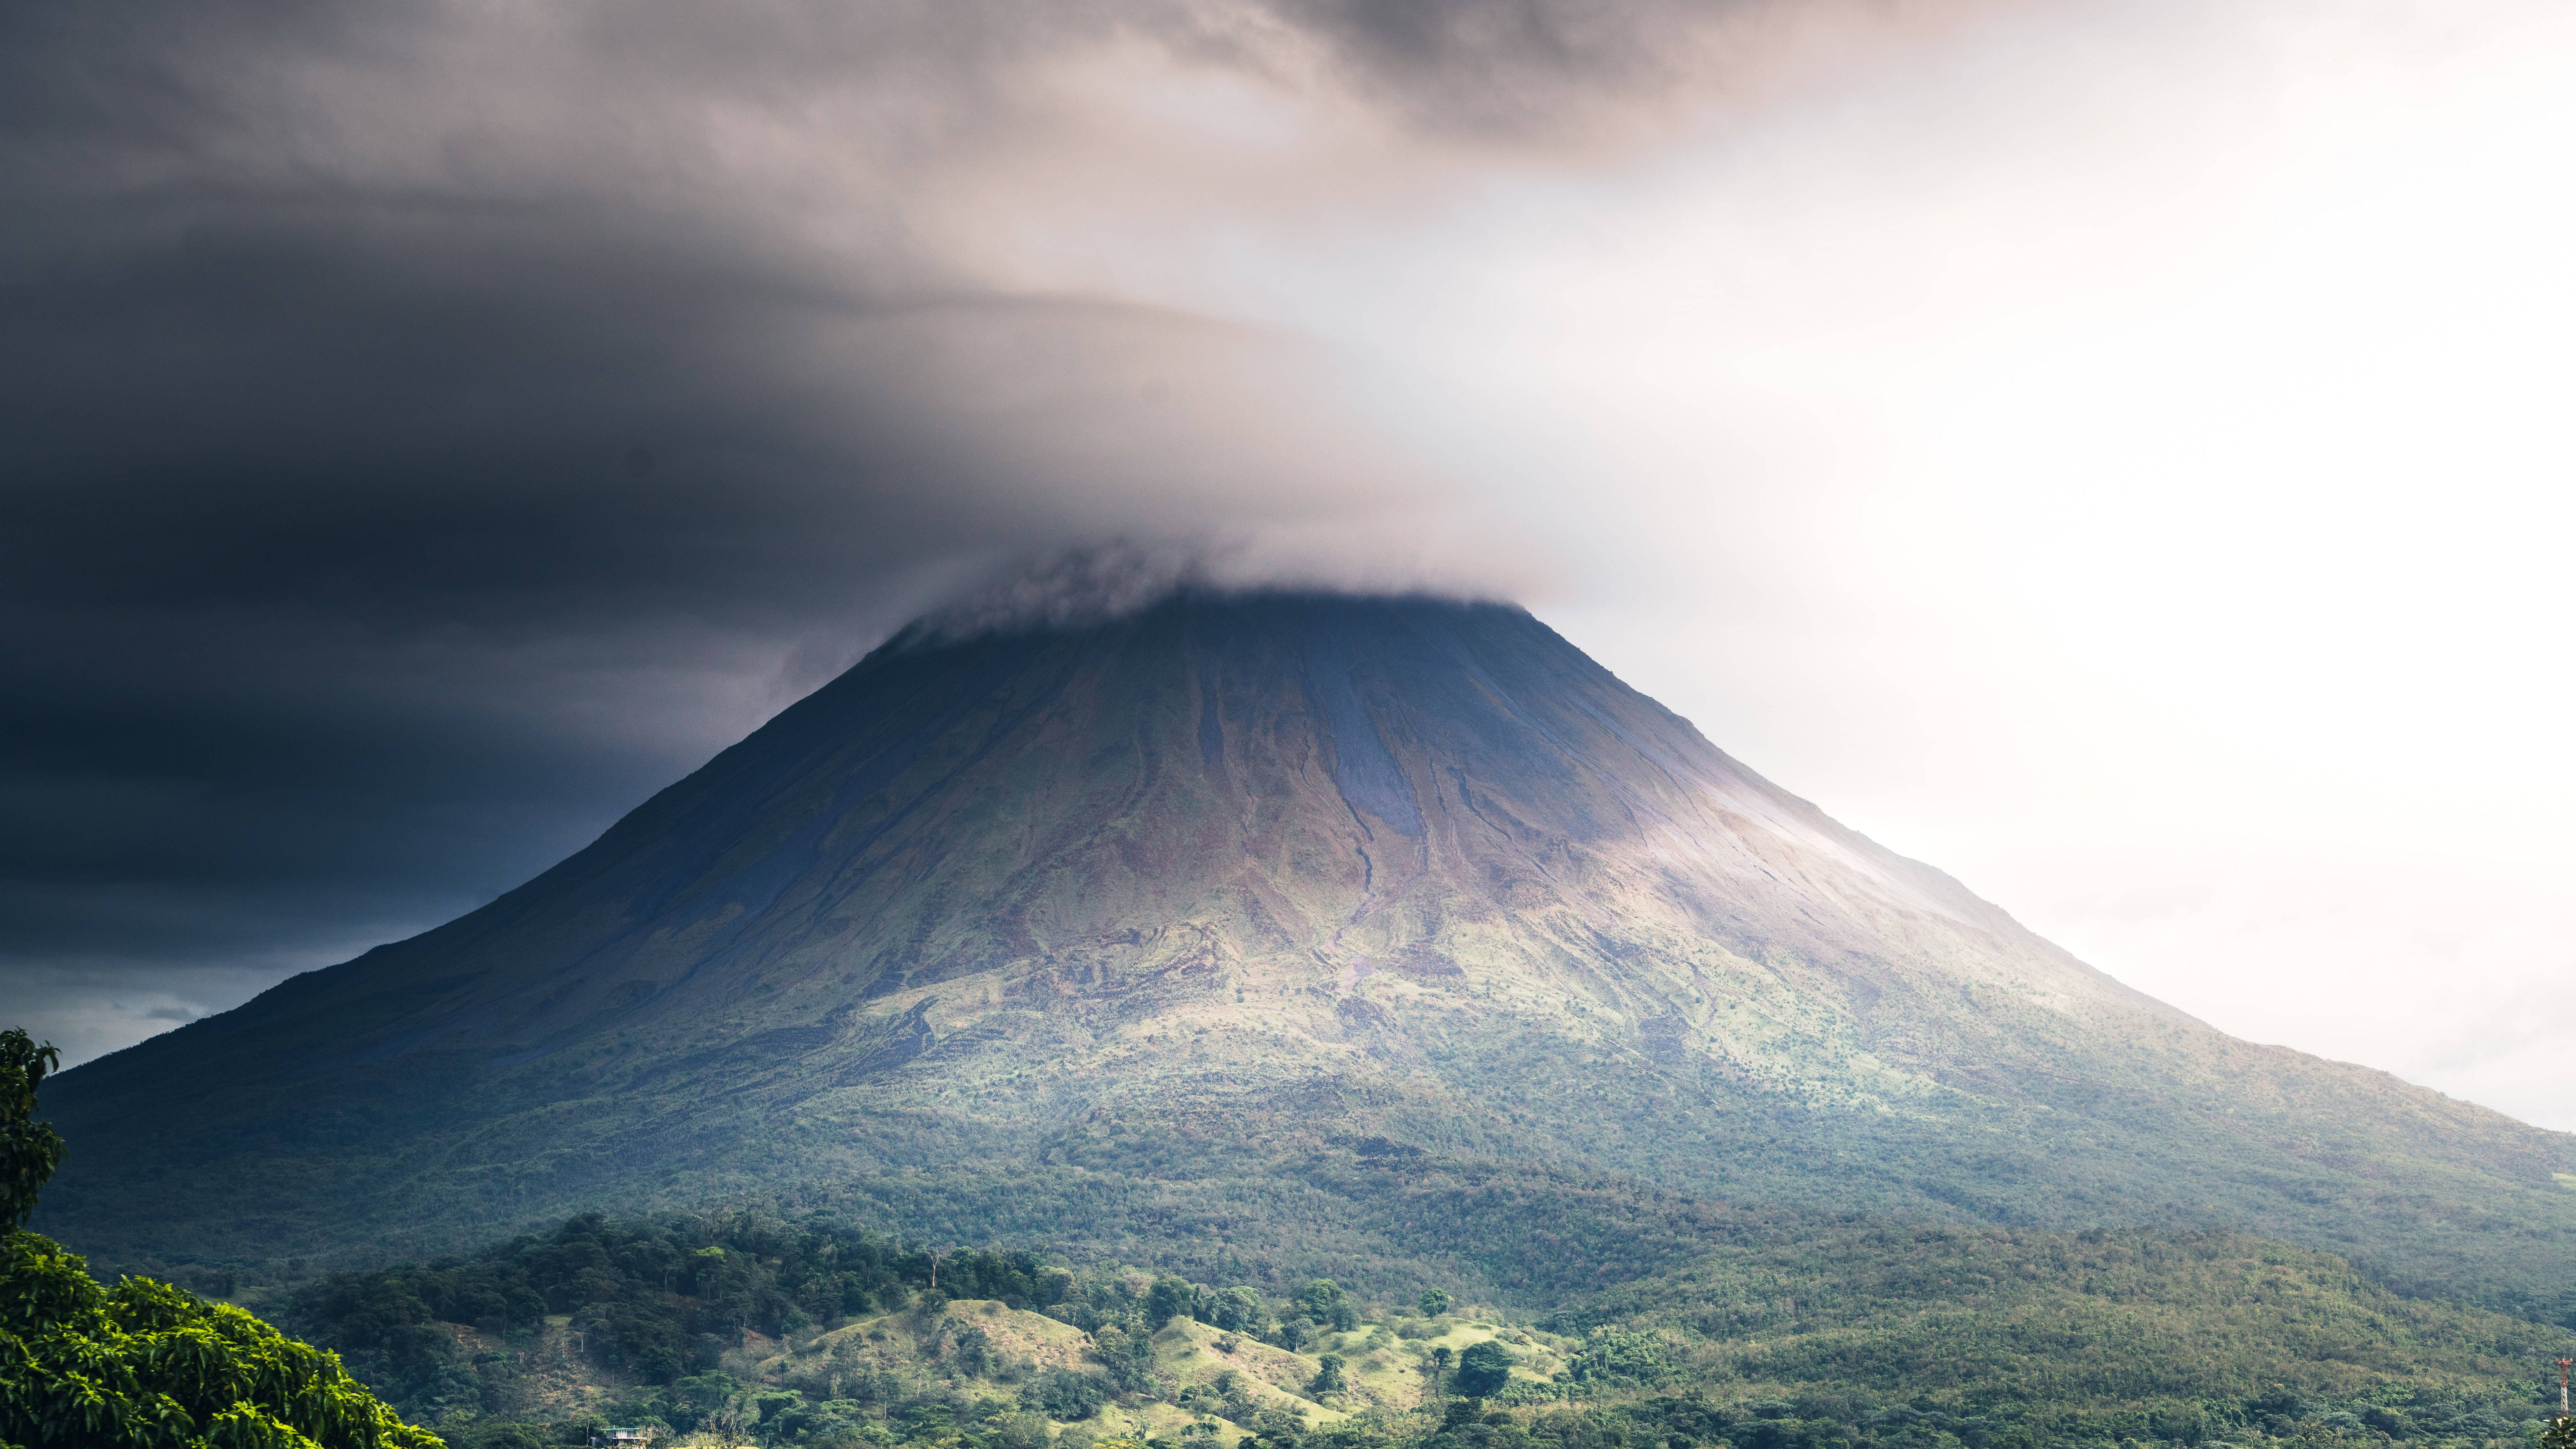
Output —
(1252, 875)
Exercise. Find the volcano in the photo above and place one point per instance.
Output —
(1215, 925)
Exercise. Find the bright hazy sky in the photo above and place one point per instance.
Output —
(2125, 460)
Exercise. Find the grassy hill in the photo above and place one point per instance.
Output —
(1869, 1336)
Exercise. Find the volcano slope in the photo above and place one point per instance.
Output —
(1319, 928)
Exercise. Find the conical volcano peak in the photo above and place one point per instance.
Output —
(1258, 867)
(1291, 791)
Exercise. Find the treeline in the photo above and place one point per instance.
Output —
(653, 1299)
(1387, 1219)
(661, 1301)
(1383, 1219)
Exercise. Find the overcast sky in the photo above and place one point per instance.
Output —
(2116, 452)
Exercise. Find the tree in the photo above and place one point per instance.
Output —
(1239, 1310)
(727, 1425)
(1439, 1366)
(1619, 1356)
(974, 1351)
(29, 1150)
(1432, 1303)
(1328, 1375)
(2561, 1434)
(144, 1363)
(1129, 1358)
(1323, 1300)
(1067, 1395)
(1483, 1370)
(1168, 1299)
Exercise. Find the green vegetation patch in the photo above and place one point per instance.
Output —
(145, 1363)
(1848, 1336)
(2174, 1337)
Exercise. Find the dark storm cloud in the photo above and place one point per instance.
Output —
(429, 429)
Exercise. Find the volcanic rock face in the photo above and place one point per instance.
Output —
(1293, 868)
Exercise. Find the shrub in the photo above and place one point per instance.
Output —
(1068, 1395)
(1483, 1370)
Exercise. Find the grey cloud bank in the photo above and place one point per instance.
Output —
(432, 428)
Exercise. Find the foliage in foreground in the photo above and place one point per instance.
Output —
(29, 1150)
(145, 1365)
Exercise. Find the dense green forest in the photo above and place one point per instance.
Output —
(1385, 1218)
(1801, 1336)
(2092, 1335)
(655, 1299)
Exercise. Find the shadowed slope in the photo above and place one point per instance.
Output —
(1251, 874)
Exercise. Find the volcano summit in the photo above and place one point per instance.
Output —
(1252, 925)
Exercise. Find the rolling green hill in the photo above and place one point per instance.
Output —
(1393, 936)
(1869, 1335)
